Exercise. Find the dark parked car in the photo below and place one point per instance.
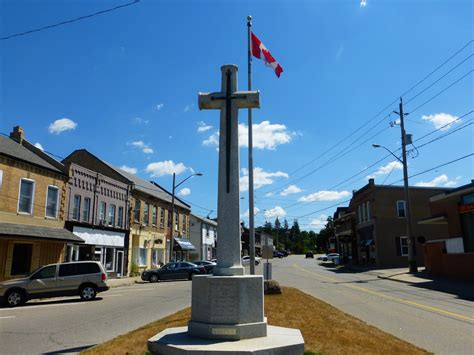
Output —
(278, 254)
(309, 254)
(208, 265)
(173, 271)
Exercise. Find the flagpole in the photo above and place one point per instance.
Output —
(251, 206)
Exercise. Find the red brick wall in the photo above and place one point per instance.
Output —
(455, 266)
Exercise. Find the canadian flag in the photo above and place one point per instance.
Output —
(261, 52)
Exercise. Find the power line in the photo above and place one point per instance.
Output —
(69, 21)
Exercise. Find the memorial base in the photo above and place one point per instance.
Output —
(177, 341)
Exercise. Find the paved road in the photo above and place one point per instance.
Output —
(438, 322)
(69, 325)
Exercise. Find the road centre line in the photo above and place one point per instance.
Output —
(400, 300)
(7, 317)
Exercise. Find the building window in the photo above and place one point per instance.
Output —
(401, 211)
(176, 221)
(146, 213)
(162, 217)
(184, 223)
(136, 212)
(142, 256)
(112, 215)
(404, 246)
(25, 200)
(52, 202)
(364, 216)
(207, 231)
(154, 216)
(120, 217)
(169, 219)
(1, 179)
(102, 212)
(367, 206)
(76, 209)
(86, 209)
(21, 260)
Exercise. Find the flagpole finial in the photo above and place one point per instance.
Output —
(249, 19)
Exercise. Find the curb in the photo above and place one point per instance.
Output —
(393, 279)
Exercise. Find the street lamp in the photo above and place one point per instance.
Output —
(411, 244)
(172, 208)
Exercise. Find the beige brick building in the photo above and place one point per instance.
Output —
(32, 196)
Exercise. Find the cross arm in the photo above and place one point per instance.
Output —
(247, 99)
(207, 100)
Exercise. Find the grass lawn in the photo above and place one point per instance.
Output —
(325, 329)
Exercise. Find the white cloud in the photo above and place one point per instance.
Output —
(260, 178)
(203, 127)
(139, 120)
(439, 181)
(292, 189)
(212, 140)
(269, 194)
(247, 213)
(265, 135)
(141, 145)
(275, 212)
(61, 125)
(184, 192)
(129, 169)
(363, 3)
(188, 108)
(319, 222)
(159, 107)
(386, 169)
(324, 196)
(167, 167)
(440, 119)
(39, 146)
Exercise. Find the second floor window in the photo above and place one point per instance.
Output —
(102, 212)
(25, 200)
(76, 209)
(154, 216)
(112, 215)
(52, 202)
(146, 213)
(120, 217)
(136, 212)
(86, 210)
(176, 221)
(401, 209)
(162, 218)
(184, 223)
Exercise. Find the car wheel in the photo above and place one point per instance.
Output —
(154, 278)
(191, 275)
(88, 292)
(257, 262)
(15, 298)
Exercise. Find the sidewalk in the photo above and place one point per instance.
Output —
(123, 281)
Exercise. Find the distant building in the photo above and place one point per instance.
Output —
(203, 235)
(380, 216)
(97, 211)
(32, 207)
(345, 234)
(260, 238)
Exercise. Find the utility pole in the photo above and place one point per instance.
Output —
(411, 243)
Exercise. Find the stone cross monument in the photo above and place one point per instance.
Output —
(229, 101)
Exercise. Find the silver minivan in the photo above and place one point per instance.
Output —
(83, 278)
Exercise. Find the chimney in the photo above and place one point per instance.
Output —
(371, 182)
(17, 134)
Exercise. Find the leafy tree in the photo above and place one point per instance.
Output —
(322, 240)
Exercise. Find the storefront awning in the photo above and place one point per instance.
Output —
(100, 237)
(184, 244)
(24, 230)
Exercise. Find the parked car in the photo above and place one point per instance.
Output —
(208, 265)
(278, 254)
(333, 257)
(246, 260)
(82, 278)
(309, 254)
(173, 271)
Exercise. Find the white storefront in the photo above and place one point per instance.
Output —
(100, 245)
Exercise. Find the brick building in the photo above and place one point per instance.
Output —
(32, 207)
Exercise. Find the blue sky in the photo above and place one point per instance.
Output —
(124, 86)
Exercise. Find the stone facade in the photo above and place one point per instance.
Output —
(33, 192)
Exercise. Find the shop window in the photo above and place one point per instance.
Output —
(21, 260)
(25, 200)
(142, 254)
(52, 202)
(404, 246)
(109, 259)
